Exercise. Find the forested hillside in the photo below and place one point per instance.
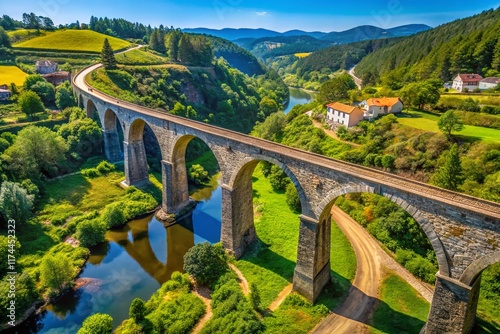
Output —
(311, 71)
(440, 52)
(219, 94)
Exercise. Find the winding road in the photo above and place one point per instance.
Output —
(372, 260)
(357, 80)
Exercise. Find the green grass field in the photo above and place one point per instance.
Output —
(483, 99)
(140, 57)
(271, 261)
(72, 40)
(400, 310)
(12, 74)
(428, 122)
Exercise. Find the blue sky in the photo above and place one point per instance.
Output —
(323, 15)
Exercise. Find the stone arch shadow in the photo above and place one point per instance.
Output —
(325, 206)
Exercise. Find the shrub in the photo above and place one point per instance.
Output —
(292, 197)
(278, 178)
(91, 232)
(137, 310)
(105, 167)
(90, 172)
(97, 324)
(198, 174)
(205, 262)
(254, 296)
(422, 268)
(113, 215)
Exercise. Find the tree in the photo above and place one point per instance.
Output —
(98, 323)
(30, 103)
(56, 272)
(449, 122)
(336, 89)
(84, 136)
(31, 80)
(37, 152)
(91, 232)
(272, 128)
(268, 106)
(64, 96)
(46, 91)
(450, 175)
(4, 38)
(173, 44)
(254, 296)
(137, 310)
(108, 56)
(185, 52)
(198, 174)
(205, 262)
(15, 202)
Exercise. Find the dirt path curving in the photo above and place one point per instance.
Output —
(281, 297)
(241, 279)
(204, 294)
(352, 315)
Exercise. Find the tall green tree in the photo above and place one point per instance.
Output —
(56, 272)
(449, 122)
(108, 56)
(15, 202)
(30, 103)
(450, 175)
(46, 91)
(4, 38)
(173, 39)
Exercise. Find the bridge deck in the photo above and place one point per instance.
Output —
(490, 209)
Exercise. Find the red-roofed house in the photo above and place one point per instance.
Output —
(382, 106)
(345, 115)
(467, 82)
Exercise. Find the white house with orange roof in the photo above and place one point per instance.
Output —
(382, 106)
(343, 114)
(466, 82)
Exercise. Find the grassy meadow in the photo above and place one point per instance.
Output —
(271, 261)
(72, 40)
(12, 74)
(428, 122)
(400, 308)
(140, 57)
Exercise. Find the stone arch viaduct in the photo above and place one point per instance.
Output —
(463, 230)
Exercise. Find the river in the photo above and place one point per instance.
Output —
(297, 96)
(135, 260)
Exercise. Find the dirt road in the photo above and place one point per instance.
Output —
(351, 316)
(357, 80)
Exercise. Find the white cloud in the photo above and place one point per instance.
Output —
(261, 13)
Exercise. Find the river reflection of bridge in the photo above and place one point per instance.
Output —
(134, 239)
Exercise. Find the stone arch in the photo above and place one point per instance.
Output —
(476, 268)
(323, 208)
(90, 108)
(136, 165)
(80, 101)
(176, 192)
(110, 120)
(246, 167)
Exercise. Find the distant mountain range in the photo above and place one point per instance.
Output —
(356, 34)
